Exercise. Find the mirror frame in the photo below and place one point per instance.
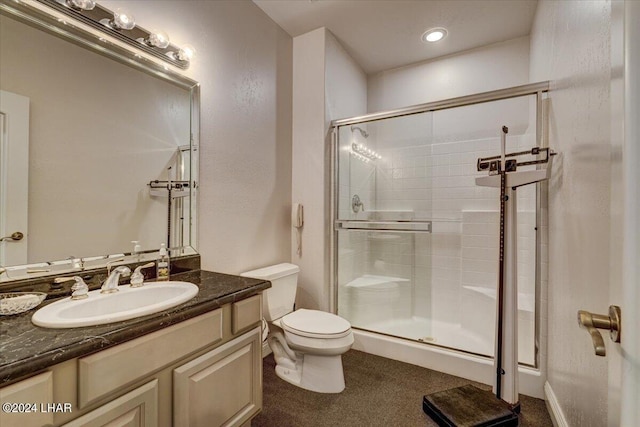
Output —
(47, 19)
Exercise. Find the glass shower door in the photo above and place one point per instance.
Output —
(417, 239)
(384, 226)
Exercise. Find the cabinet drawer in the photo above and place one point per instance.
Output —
(246, 313)
(36, 390)
(137, 408)
(105, 372)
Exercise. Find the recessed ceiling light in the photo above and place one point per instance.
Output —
(434, 34)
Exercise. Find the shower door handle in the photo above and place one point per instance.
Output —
(593, 322)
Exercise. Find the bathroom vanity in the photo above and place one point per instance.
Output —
(198, 364)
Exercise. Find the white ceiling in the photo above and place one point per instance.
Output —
(385, 34)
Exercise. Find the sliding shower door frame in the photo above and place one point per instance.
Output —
(538, 89)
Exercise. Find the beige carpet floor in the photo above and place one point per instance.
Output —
(379, 392)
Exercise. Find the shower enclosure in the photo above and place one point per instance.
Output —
(415, 241)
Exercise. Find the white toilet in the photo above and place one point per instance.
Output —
(307, 344)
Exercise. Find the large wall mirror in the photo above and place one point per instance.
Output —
(98, 149)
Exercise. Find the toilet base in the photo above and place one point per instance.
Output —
(322, 374)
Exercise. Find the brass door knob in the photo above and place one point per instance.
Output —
(14, 237)
(593, 322)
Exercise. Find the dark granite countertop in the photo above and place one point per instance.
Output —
(26, 349)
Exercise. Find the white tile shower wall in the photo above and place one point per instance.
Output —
(404, 181)
(480, 251)
(438, 182)
(423, 277)
(403, 255)
(456, 258)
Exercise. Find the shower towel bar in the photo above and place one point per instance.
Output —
(411, 226)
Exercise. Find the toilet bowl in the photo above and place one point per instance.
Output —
(307, 344)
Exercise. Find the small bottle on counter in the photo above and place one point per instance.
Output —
(163, 264)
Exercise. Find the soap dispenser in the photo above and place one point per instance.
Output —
(137, 249)
(163, 264)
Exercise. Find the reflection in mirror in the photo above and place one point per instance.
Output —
(95, 154)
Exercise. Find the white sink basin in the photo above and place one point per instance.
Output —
(127, 303)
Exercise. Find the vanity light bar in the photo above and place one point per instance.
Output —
(121, 25)
(360, 157)
(362, 152)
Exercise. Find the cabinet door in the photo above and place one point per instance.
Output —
(222, 387)
(138, 408)
(25, 400)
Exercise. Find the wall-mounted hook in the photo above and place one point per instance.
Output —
(593, 322)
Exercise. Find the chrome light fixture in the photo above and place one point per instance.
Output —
(158, 39)
(364, 153)
(186, 52)
(121, 25)
(122, 20)
(81, 4)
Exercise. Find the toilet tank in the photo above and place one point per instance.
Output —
(278, 300)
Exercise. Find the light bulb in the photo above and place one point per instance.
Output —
(186, 53)
(81, 4)
(123, 20)
(158, 39)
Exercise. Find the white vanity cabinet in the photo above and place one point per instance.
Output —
(204, 371)
(29, 392)
(222, 387)
(138, 408)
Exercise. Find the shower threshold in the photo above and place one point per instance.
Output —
(439, 358)
(443, 334)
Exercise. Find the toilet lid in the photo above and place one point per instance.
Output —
(315, 324)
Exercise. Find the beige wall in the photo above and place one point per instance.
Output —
(327, 84)
(244, 66)
(308, 174)
(487, 68)
(571, 44)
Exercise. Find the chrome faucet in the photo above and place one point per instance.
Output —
(111, 284)
(80, 290)
(137, 278)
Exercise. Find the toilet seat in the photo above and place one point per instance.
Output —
(315, 324)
